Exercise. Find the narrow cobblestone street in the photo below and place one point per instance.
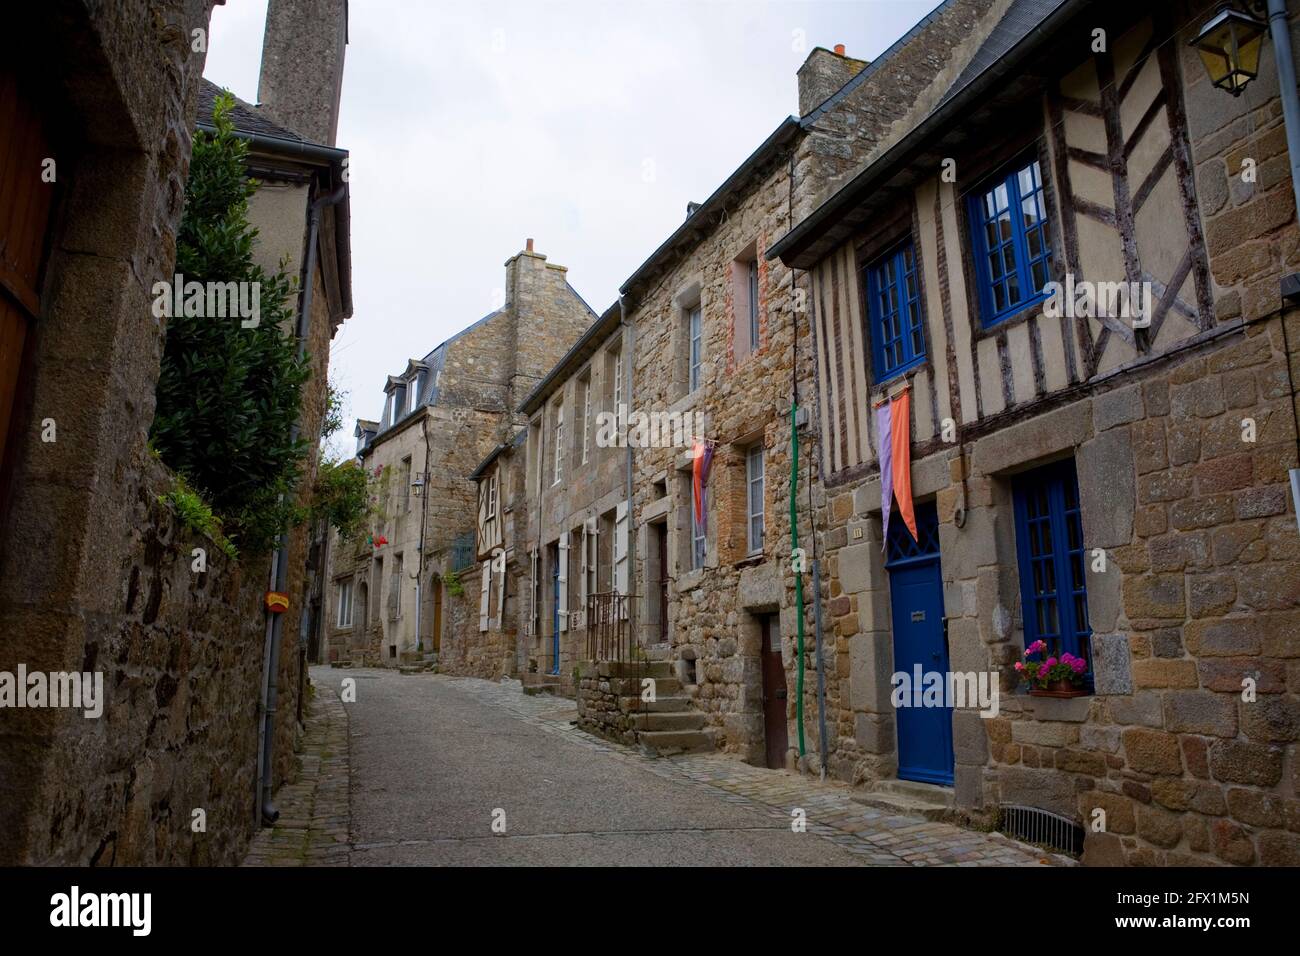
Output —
(421, 765)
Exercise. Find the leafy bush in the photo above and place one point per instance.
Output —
(193, 512)
(454, 586)
(341, 496)
(228, 396)
(333, 421)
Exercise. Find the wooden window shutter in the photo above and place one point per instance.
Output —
(620, 551)
(485, 589)
(532, 593)
(582, 561)
(482, 514)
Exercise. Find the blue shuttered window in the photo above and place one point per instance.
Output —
(1011, 241)
(1049, 546)
(894, 311)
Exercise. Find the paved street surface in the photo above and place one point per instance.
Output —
(433, 760)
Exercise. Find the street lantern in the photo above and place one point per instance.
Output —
(1229, 45)
(417, 484)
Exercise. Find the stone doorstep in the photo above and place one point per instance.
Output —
(927, 800)
(659, 670)
(632, 705)
(414, 669)
(668, 720)
(665, 742)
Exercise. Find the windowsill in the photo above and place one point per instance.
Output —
(1021, 313)
(903, 371)
(751, 560)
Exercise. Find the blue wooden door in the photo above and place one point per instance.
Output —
(916, 599)
(555, 616)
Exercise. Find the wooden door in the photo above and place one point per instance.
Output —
(775, 723)
(661, 591)
(25, 199)
(925, 749)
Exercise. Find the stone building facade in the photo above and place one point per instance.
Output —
(409, 588)
(723, 612)
(97, 574)
(1116, 487)
(709, 341)
(568, 510)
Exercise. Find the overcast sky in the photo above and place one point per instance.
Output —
(585, 125)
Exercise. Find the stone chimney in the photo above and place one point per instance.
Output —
(302, 66)
(822, 74)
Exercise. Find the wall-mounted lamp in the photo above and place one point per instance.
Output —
(1229, 44)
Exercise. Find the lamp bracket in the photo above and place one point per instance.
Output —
(1255, 8)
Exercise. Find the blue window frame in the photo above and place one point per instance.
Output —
(1013, 256)
(894, 310)
(1049, 546)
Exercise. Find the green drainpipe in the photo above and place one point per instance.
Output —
(794, 549)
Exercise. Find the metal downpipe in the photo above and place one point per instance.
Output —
(280, 563)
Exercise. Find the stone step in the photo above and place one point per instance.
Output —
(909, 797)
(664, 742)
(420, 667)
(633, 669)
(533, 679)
(670, 720)
(340, 663)
(535, 684)
(631, 686)
(661, 704)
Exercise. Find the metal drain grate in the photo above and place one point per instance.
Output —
(1042, 827)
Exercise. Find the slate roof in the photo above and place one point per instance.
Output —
(1021, 18)
(246, 117)
(1012, 38)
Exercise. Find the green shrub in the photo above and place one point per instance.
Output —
(195, 515)
(229, 396)
(341, 496)
(454, 586)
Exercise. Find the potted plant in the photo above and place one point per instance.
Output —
(1051, 676)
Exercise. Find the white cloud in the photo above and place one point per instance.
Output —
(462, 149)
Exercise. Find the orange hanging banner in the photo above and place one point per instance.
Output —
(900, 434)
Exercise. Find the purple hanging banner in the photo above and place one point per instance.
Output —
(885, 449)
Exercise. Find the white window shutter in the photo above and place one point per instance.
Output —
(482, 513)
(532, 592)
(483, 592)
(582, 577)
(501, 596)
(564, 581)
(620, 551)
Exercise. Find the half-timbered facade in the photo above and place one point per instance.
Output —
(1070, 261)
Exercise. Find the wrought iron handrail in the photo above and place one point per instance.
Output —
(609, 632)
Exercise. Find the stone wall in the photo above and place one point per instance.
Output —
(600, 692)
(95, 577)
(1188, 744)
(98, 576)
(181, 659)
